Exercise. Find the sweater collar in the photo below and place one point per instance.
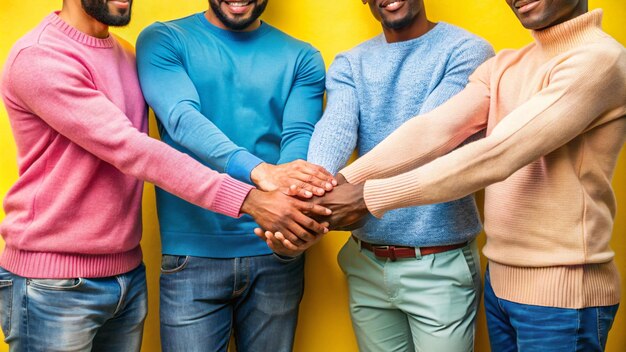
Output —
(570, 34)
(77, 35)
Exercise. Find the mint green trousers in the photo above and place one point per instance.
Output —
(417, 304)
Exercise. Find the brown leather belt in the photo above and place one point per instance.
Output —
(395, 252)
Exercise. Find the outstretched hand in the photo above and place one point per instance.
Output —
(349, 212)
(280, 245)
(347, 203)
(306, 178)
(277, 212)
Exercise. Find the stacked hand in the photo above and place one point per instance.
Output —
(304, 178)
(276, 208)
(348, 208)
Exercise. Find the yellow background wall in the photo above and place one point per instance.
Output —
(331, 26)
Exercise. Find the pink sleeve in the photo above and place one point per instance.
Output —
(61, 93)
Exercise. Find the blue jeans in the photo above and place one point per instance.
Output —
(204, 299)
(79, 314)
(522, 327)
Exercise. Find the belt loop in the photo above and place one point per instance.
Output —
(392, 253)
(358, 242)
(418, 253)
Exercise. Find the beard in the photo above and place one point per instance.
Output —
(99, 10)
(398, 24)
(237, 24)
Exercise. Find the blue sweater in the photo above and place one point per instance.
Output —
(231, 100)
(373, 89)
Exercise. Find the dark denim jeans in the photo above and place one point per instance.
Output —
(521, 327)
(204, 299)
(104, 314)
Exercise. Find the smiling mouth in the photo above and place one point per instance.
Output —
(391, 5)
(524, 6)
(238, 8)
(238, 3)
(121, 4)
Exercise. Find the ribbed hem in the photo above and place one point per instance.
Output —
(68, 265)
(567, 35)
(79, 36)
(391, 193)
(230, 197)
(575, 286)
(356, 173)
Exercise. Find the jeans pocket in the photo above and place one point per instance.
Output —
(55, 284)
(285, 259)
(6, 305)
(173, 263)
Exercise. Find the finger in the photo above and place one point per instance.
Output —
(294, 191)
(306, 223)
(303, 190)
(327, 179)
(324, 181)
(285, 242)
(315, 184)
(259, 233)
(318, 170)
(312, 208)
(276, 243)
(291, 236)
(304, 182)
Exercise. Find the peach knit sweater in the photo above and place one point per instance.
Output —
(555, 118)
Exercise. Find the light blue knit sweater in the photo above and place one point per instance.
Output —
(373, 89)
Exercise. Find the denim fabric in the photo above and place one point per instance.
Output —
(78, 314)
(203, 300)
(427, 303)
(522, 327)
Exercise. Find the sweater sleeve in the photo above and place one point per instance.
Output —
(303, 107)
(558, 113)
(463, 61)
(60, 91)
(172, 95)
(335, 135)
(426, 137)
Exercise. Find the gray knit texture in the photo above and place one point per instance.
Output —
(373, 89)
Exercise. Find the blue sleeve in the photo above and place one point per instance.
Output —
(303, 107)
(336, 133)
(464, 60)
(176, 104)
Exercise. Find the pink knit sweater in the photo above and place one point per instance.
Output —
(80, 122)
(555, 118)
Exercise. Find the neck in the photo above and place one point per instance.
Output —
(74, 15)
(581, 9)
(210, 16)
(419, 27)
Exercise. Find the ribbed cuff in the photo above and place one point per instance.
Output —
(391, 193)
(230, 197)
(240, 165)
(356, 173)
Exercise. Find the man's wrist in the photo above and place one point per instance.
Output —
(248, 205)
(259, 173)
